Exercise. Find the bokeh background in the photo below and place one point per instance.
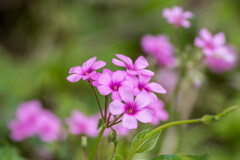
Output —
(41, 39)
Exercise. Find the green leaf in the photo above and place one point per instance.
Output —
(9, 153)
(118, 157)
(148, 144)
(181, 157)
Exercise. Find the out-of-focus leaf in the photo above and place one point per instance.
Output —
(9, 153)
(118, 157)
(181, 157)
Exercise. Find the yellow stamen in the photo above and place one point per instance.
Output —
(115, 88)
(142, 89)
(130, 111)
(86, 73)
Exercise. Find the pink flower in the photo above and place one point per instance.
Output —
(24, 125)
(142, 83)
(208, 42)
(159, 47)
(131, 109)
(33, 120)
(86, 71)
(223, 59)
(177, 16)
(133, 69)
(80, 124)
(110, 82)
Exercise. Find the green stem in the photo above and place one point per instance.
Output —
(114, 150)
(106, 107)
(99, 105)
(157, 130)
(96, 143)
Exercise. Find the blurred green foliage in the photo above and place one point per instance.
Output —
(42, 39)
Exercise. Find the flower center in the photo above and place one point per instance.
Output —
(130, 109)
(115, 88)
(86, 73)
(142, 89)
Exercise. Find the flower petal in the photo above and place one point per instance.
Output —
(147, 72)
(104, 90)
(155, 87)
(199, 42)
(98, 65)
(141, 63)
(76, 69)
(74, 77)
(188, 14)
(118, 76)
(186, 24)
(129, 121)
(118, 62)
(219, 39)
(144, 79)
(145, 115)
(116, 107)
(116, 96)
(125, 59)
(105, 79)
(86, 65)
(126, 94)
(205, 34)
(142, 99)
(89, 75)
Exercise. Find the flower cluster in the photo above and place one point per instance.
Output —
(219, 57)
(124, 86)
(33, 120)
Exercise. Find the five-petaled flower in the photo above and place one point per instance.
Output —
(86, 71)
(177, 16)
(132, 109)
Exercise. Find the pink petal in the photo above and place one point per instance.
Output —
(98, 65)
(188, 14)
(147, 72)
(142, 99)
(116, 107)
(118, 62)
(125, 59)
(141, 63)
(199, 42)
(186, 24)
(76, 69)
(104, 90)
(105, 78)
(126, 94)
(145, 115)
(166, 13)
(116, 96)
(86, 65)
(177, 10)
(144, 79)
(118, 76)
(129, 121)
(205, 34)
(219, 39)
(155, 87)
(108, 71)
(74, 77)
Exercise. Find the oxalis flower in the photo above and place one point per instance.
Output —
(110, 82)
(132, 109)
(86, 71)
(177, 16)
(133, 69)
(208, 42)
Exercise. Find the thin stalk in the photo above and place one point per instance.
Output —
(99, 151)
(115, 123)
(84, 153)
(99, 105)
(107, 150)
(106, 107)
(108, 120)
(115, 120)
(159, 129)
(96, 143)
(114, 150)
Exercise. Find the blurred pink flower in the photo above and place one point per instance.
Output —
(133, 69)
(32, 120)
(80, 124)
(177, 16)
(132, 110)
(160, 48)
(48, 126)
(110, 82)
(223, 59)
(208, 42)
(86, 71)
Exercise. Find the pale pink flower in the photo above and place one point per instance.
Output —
(132, 109)
(177, 16)
(223, 59)
(80, 124)
(110, 82)
(160, 48)
(208, 42)
(48, 126)
(86, 71)
(133, 69)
